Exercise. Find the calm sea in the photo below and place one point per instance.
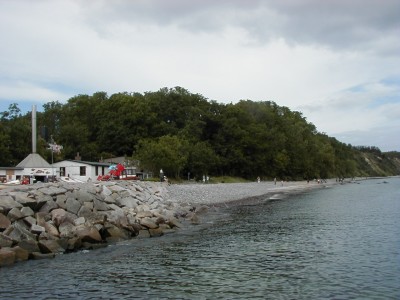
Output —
(341, 242)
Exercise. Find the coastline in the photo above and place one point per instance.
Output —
(223, 194)
(42, 220)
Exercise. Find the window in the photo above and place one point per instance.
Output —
(97, 171)
(82, 171)
(62, 171)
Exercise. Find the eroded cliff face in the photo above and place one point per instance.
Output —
(42, 220)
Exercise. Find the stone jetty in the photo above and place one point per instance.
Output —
(45, 219)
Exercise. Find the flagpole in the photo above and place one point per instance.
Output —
(52, 167)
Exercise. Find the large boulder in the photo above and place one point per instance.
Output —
(88, 234)
(73, 206)
(112, 233)
(20, 253)
(50, 246)
(148, 223)
(59, 216)
(19, 232)
(14, 214)
(49, 205)
(5, 241)
(29, 245)
(7, 203)
(52, 190)
(156, 232)
(4, 222)
(27, 212)
(7, 257)
(67, 230)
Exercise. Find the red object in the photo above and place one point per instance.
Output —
(114, 173)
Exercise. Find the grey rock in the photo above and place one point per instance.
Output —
(27, 211)
(36, 229)
(50, 246)
(7, 203)
(5, 241)
(73, 206)
(29, 221)
(100, 205)
(4, 222)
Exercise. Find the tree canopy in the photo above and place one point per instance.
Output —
(185, 133)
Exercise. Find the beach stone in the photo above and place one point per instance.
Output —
(51, 229)
(24, 199)
(148, 223)
(105, 191)
(174, 222)
(49, 205)
(20, 253)
(88, 234)
(29, 221)
(144, 233)
(36, 229)
(109, 200)
(115, 188)
(5, 241)
(61, 201)
(14, 214)
(100, 205)
(84, 196)
(29, 245)
(79, 221)
(4, 222)
(52, 190)
(127, 201)
(27, 212)
(156, 232)
(21, 233)
(85, 211)
(114, 234)
(7, 203)
(58, 216)
(7, 257)
(66, 229)
(73, 205)
(50, 246)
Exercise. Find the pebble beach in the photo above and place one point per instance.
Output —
(216, 194)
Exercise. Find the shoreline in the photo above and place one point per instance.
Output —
(43, 220)
(223, 194)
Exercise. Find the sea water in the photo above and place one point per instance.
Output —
(341, 242)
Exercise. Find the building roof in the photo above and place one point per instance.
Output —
(34, 160)
(91, 163)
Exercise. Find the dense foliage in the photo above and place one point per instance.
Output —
(185, 133)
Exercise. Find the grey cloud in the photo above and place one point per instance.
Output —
(368, 25)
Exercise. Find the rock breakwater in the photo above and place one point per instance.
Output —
(42, 220)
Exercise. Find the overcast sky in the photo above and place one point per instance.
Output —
(336, 61)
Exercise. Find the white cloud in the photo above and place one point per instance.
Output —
(329, 60)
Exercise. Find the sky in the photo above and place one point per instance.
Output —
(335, 61)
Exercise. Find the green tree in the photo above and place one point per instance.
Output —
(167, 152)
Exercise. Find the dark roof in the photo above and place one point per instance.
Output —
(91, 163)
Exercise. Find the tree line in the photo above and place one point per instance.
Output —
(185, 134)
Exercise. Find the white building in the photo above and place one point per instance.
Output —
(80, 170)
